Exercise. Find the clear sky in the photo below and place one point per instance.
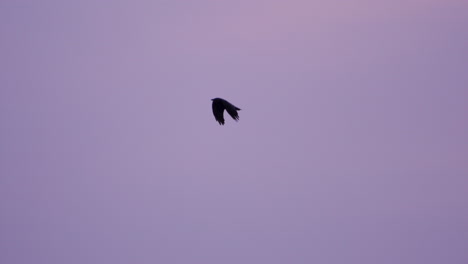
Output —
(351, 146)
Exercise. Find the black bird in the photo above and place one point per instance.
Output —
(219, 104)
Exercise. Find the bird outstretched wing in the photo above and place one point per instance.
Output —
(232, 110)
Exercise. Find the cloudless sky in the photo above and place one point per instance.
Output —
(351, 146)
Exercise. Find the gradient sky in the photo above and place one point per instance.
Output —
(351, 147)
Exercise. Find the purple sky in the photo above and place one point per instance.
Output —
(351, 147)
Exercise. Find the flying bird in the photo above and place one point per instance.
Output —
(219, 105)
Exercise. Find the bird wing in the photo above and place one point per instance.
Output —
(218, 109)
(232, 110)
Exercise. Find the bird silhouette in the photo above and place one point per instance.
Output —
(219, 105)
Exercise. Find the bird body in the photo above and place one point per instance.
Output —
(219, 105)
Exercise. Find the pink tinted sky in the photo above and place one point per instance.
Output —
(351, 147)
